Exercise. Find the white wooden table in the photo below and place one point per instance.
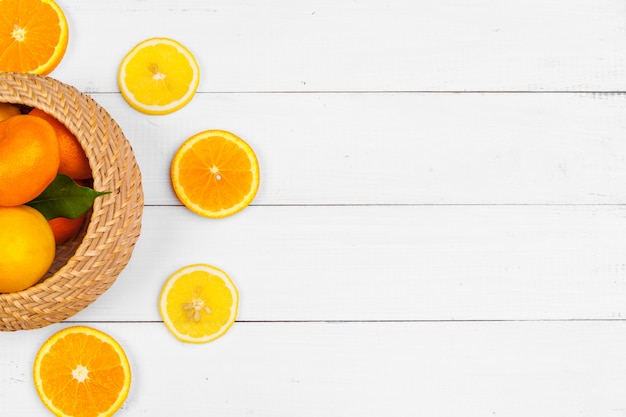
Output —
(440, 228)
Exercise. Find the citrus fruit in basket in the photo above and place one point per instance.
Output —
(33, 36)
(73, 160)
(64, 229)
(8, 110)
(198, 303)
(27, 248)
(215, 173)
(158, 76)
(82, 372)
(29, 158)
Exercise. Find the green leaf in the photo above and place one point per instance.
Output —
(64, 198)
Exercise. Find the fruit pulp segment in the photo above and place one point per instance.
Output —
(20, 38)
(150, 73)
(101, 380)
(204, 293)
(218, 172)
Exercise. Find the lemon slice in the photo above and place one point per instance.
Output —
(158, 76)
(198, 303)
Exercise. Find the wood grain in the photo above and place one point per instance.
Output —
(368, 369)
(399, 148)
(388, 263)
(367, 45)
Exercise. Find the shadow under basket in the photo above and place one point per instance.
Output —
(86, 266)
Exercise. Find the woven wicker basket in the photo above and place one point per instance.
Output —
(86, 266)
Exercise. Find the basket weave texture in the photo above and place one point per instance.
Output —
(86, 266)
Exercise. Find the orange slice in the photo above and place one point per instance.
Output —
(215, 173)
(198, 303)
(33, 36)
(158, 76)
(82, 372)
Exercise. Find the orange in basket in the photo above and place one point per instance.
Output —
(64, 229)
(8, 110)
(73, 161)
(29, 158)
(33, 36)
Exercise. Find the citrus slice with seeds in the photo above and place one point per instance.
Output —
(215, 173)
(33, 36)
(82, 372)
(198, 303)
(158, 76)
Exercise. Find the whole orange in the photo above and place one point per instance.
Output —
(29, 158)
(8, 110)
(74, 162)
(64, 229)
(27, 247)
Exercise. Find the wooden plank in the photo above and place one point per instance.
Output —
(364, 369)
(343, 45)
(403, 148)
(388, 263)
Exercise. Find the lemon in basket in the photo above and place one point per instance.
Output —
(27, 247)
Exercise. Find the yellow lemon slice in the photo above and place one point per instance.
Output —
(198, 303)
(82, 372)
(215, 173)
(158, 76)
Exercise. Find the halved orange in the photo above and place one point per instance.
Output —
(215, 173)
(198, 303)
(33, 36)
(82, 372)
